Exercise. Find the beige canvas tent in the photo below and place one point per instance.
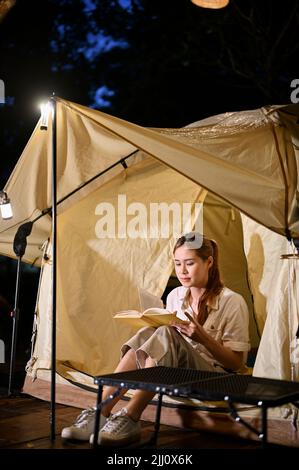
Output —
(241, 168)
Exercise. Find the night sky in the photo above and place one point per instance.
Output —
(158, 63)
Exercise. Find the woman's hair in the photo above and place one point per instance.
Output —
(205, 249)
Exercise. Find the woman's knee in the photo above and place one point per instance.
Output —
(166, 330)
(147, 329)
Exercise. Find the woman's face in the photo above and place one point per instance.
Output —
(191, 270)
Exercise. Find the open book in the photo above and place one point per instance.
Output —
(151, 317)
(152, 312)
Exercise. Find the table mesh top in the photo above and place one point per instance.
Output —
(162, 376)
(205, 385)
(244, 387)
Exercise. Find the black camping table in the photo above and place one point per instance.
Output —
(203, 385)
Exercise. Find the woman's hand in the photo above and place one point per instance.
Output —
(226, 356)
(197, 333)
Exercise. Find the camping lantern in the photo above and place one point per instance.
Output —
(215, 4)
(5, 206)
(46, 109)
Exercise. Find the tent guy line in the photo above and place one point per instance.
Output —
(121, 161)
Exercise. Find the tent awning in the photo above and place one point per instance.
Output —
(247, 158)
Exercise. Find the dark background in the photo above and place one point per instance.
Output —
(158, 63)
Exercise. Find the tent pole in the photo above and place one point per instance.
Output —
(54, 269)
(292, 258)
(15, 317)
(19, 247)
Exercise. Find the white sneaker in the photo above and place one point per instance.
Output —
(83, 427)
(119, 429)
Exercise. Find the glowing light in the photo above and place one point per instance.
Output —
(46, 110)
(215, 4)
(5, 206)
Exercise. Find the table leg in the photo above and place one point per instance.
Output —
(157, 421)
(264, 427)
(97, 417)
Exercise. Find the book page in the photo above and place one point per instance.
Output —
(128, 314)
(160, 316)
(154, 317)
(156, 311)
(136, 322)
(148, 300)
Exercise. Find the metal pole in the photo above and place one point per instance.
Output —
(157, 421)
(15, 315)
(265, 427)
(292, 258)
(54, 270)
(97, 417)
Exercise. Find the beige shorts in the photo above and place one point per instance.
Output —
(166, 347)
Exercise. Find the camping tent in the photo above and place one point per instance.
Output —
(242, 167)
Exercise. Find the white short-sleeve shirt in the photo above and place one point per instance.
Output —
(227, 321)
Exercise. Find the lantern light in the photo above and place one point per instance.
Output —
(5, 206)
(215, 4)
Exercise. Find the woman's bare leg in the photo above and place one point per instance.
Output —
(141, 398)
(127, 362)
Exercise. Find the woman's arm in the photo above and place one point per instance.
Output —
(226, 356)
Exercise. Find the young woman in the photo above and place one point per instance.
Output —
(217, 339)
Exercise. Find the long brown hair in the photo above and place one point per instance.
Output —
(214, 286)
